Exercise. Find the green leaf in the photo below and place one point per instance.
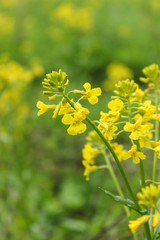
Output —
(156, 235)
(125, 201)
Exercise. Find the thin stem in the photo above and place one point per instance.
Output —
(142, 173)
(113, 175)
(156, 138)
(155, 160)
(147, 231)
(116, 160)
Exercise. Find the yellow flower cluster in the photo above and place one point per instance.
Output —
(13, 87)
(131, 111)
(149, 198)
(73, 112)
(7, 25)
(78, 18)
(89, 154)
(116, 72)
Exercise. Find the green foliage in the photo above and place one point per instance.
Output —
(43, 191)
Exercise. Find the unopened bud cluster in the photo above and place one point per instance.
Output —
(55, 80)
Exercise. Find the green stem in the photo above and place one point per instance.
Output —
(147, 231)
(116, 160)
(113, 175)
(155, 161)
(111, 151)
(142, 173)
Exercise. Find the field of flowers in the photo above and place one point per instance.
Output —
(43, 191)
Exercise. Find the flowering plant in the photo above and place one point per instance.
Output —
(131, 110)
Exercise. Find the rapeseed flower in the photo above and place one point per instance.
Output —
(147, 108)
(149, 196)
(89, 153)
(138, 129)
(107, 129)
(135, 224)
(109, 117)
(156, 219)
(44, 107)
(157, 148)
(134, 154)
(119, 151)
(75, 121)
(116, 105)
(88, 169)
(90, 94)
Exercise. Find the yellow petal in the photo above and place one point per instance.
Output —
(93, 100)
(67, 119)
(76, 129)
(87, 86)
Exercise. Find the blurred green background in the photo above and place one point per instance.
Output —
(43, 193)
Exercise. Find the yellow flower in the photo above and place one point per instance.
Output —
(139, 94)
(116, 105)
(75, 122)
(65, 108)
(44, 108)
(149, 196)
(107, 130)
(134, 154)
(89, 153)
(147, 108)
(88, 169)
(91, 94)
(138, 129)
(135, 224)
(156, 219)
(109, 117)
(157, 148)
(146, 141)
(120, 152)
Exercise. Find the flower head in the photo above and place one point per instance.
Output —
(119, 150)
(157, 148)
(138, 129)
(75, 121)
(149, 196)
(89, 153)
(107, 129)
(88, 169)
(135, 224)
(44, 107)
(91, 94)
(116, 105)
(134, 154)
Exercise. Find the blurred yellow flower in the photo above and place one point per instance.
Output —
(135, 224)
(88, 169)
(149, 196)
(115, 73)
(89, 154)
(119, 151)
(156, 219)
(80, 18)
